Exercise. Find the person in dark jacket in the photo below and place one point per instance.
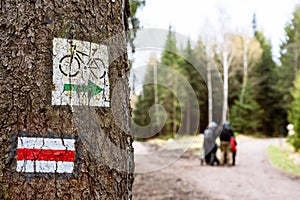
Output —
(225, 146)
(209, 145)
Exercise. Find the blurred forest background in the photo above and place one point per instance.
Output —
(263, 96)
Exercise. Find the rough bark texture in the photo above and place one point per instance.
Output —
(27, 29)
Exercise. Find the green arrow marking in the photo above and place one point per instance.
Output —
(91, 88)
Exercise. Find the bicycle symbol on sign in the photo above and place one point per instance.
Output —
(69, 65)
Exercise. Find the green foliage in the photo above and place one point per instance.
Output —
(179, 114)
(280, 157)
(266, 99)
(145, 101)
(294, 114)
(165, 97)
(134, 23)
(264, 87)
(290, 60)
(295, 141)
(254, 23)
(169, 55)
(245, 116)
(194, 77)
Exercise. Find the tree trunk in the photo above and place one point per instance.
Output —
(225, 87)
(155, 95)
(245, 68)
(64, 100)
(209, 83)
(188, 118)
(174, 112)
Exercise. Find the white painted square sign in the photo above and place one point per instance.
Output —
(80, 73)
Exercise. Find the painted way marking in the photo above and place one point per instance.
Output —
(80, 73)
(92, 89)
(45, 155)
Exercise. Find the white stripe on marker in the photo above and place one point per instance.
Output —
(46, 143)
(44, 166)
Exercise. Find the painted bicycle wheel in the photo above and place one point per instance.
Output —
(69, 66)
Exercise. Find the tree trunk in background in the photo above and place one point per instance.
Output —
(188, 118)
(225, 87)
(102, 163)
(245, 68)
(209, 82)
(174, 113)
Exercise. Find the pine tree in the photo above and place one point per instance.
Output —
(265, 84)
(294, 114)
(169, 59)
(245, 112)
(165, 97)
(191, 71)
(245, 115)
(134, 23)
(290, 61)
(144, 102)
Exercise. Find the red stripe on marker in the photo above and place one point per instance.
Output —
(43, 154)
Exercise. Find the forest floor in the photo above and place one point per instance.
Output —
(253, 177)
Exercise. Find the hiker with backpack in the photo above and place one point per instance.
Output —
(226, 147)
(210, 147)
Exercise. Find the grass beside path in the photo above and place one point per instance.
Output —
(192, 143)
(284, 158)
(183, 142)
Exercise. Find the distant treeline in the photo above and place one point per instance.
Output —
(263, 96)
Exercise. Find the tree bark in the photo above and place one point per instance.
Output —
(245, 68)
(225, 86)
(103, 161)
(209, 83)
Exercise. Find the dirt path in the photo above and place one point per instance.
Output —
(252, 178)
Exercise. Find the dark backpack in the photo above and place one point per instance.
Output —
(226, 134)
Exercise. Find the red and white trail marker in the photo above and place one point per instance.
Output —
(45, 155)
